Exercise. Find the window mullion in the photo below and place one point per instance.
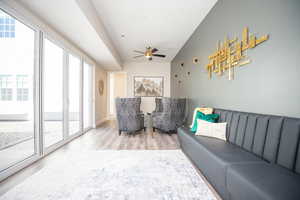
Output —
(65, 95)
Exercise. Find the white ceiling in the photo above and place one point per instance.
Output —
(164, 24)
(96, 26)
(68, 19)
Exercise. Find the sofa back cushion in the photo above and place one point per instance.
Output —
(273, 138)
(233, 127)
(260, 135)
(297, 168)
(240, 134)
(289, 142)
(249, 132)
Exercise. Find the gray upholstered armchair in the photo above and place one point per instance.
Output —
(158, 106)
(129, 116)
(172, 115)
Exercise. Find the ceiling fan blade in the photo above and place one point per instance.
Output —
(154, 50)
(139, 52)
(159, 55)
(138, 56)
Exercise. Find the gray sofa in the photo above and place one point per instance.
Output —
(259, 161)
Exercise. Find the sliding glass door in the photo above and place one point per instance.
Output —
(17, 76)
(87, 95)
(53, 93)
(46, 94)
(74, 84)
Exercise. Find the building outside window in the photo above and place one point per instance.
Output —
(22, 87)
(7, 26)
(6, 88)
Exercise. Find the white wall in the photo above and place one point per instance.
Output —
(118, 88)
(147, 69)
(100, 101)
(120, 80)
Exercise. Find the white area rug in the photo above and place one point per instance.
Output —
(115, 175)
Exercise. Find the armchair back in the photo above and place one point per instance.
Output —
(172, 115)
(129, 116)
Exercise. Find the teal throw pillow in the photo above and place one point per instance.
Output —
(200, 115)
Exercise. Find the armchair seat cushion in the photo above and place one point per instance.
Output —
(261, 181)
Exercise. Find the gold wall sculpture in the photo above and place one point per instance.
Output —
(231, 54)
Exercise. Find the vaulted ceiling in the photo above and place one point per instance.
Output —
(164, 24)
(109, 30)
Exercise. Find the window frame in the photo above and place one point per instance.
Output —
(93, 125)
(54, 146)
(18, 165)
(68, 52)
(42, 30)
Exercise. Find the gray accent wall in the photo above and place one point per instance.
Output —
(270, 84)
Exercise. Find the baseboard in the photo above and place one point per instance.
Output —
(111, 117)
(101, 121)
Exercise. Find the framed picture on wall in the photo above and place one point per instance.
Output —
(148, 86)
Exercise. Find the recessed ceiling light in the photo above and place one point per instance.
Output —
(122, 35)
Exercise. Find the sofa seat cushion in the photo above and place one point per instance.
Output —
(262, 181)
(213, 156)
(226, 152)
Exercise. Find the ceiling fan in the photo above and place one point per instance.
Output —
(149, 53)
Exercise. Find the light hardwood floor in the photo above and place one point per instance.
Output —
(104, 137)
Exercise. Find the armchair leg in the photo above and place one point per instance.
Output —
(153, 129)
(120, 132)
(144, 129)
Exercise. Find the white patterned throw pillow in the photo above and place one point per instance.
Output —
(216, 130)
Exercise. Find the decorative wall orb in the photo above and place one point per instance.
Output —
(188, 73)
(182, 64)
(179, 82)
(195, 60)
(176, 75)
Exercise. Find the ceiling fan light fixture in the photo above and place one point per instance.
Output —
(149, 53)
